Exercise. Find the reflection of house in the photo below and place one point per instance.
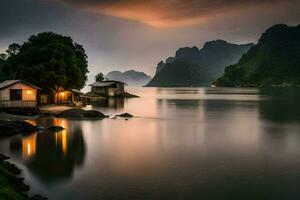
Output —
(62, 96)
(108, 88)
(116, 103)
(52, 156)
(18, 94)
(29, 146)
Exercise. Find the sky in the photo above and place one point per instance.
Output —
(138, 34)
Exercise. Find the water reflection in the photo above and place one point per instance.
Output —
(29, 146)
(176, 91)
(115, 103)
(280, 110)
(183, 143)
(178, 103)
(52, 156)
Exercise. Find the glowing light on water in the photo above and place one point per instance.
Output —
(29, 146)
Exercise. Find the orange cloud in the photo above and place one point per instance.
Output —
(147, 14)
(168, 13)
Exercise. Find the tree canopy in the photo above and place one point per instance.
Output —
(48, 60)
(99, 77)
(2, 64)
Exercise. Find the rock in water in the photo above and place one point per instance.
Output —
(79, 113)
(94, 114)
(3, 157)
(71, 113)
(125, 115)
(9, 128)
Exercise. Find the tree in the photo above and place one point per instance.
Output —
(50, 61)
(13, 49)
(99, 77)
(3, 56)
(2, 67)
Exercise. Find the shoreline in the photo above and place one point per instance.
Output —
(12, 184)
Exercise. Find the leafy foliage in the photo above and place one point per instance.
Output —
(13, 49)
(274, 61)
(3, 56)
(3, 64)
(99, 77)
(48, 60)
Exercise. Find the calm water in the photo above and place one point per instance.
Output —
(184, 143)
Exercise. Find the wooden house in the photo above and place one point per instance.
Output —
(108, 88)
(61, 97)
(18, 94)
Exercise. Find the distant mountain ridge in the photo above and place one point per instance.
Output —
(131, 77)
(274, 61)
(192, 66)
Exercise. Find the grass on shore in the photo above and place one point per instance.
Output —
(8, 188)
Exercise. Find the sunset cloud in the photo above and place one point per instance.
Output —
(170, 13)
(124, 34)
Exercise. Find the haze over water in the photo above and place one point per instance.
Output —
(183, 143)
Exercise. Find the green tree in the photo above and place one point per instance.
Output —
(13, 49)
(2, 67)
(99, 77)
(3, 56)
(50, 61)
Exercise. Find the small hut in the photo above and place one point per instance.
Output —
(62, 97)
(18, 94)
(108, 88)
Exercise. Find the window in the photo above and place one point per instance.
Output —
(115, 85)
(15, 94)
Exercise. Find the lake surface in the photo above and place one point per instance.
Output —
(183, 143)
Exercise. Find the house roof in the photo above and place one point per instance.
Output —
(106, 83)
(76, 91)
(8, 83)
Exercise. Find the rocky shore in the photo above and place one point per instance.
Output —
(12, 186)
(13, 127)
(81, 114)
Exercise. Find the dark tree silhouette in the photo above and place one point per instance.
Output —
(99, 77)
(13, 49)
(50, 61)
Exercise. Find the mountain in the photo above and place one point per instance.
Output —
(130, 77)
(197, 67)
(274, 61)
